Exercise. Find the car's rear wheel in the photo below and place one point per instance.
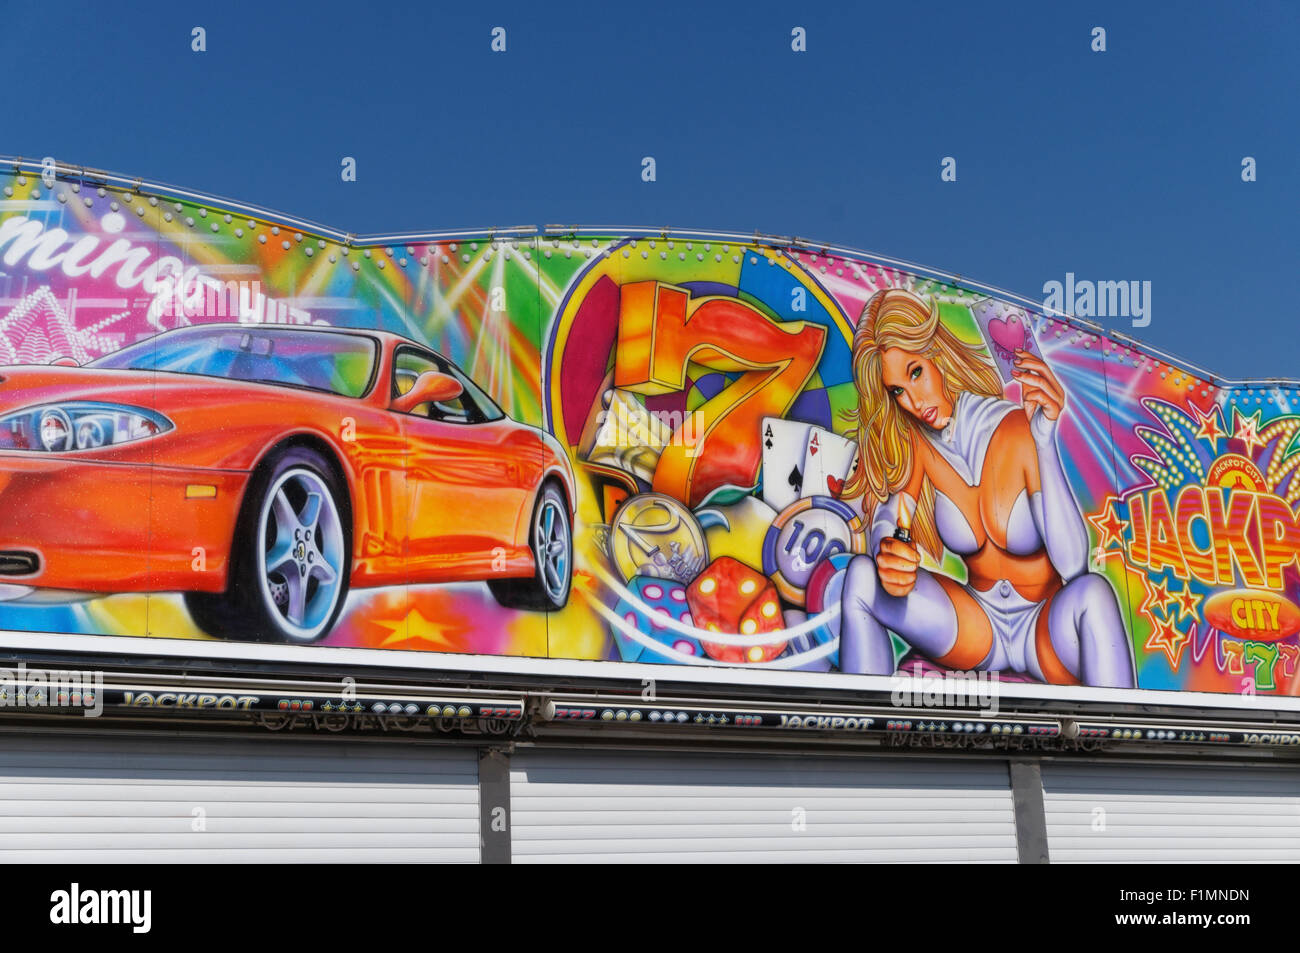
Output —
(550, 538)
(291, 557)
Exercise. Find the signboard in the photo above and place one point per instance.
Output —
(692, 451)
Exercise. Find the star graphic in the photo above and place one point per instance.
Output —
(1157, 597)
(1188, 603)
(416, 627)
(1210, 425)
(1246, 429)
(1166, 637)
(585, 581)
(1110, 528)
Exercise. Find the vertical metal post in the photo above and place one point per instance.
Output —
(494, 805)
(1031, 816)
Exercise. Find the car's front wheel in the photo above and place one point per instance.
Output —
(551, 541)
(290, 559)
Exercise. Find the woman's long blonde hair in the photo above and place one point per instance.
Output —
(884, 432)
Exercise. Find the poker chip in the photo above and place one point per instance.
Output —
(824, 587)
(803, 535)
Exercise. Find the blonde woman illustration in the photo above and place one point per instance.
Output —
(981, 477)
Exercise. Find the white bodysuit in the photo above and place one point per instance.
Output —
(1049, 519)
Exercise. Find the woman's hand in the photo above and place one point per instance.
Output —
(1038, 386)
(896, 563)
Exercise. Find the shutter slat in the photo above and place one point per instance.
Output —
(1172, 813)
(115, 798)
(660, 808)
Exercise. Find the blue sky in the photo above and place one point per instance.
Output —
(1122, 165)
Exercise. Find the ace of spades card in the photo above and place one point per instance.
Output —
(785, 445)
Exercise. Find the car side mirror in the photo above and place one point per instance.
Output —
(431, 386)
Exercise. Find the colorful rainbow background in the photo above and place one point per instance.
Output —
(509, 310)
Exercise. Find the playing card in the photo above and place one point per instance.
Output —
(827, 462)
(785, 444)
(1005, 329)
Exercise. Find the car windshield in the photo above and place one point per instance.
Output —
(336, 363)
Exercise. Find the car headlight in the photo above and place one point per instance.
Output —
(80, 425)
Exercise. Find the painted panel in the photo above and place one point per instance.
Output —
(686, 450)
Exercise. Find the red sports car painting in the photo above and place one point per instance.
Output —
(264, 470)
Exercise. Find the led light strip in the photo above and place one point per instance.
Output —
(795, 719)
(1185, 734)
(41, 696)
(37, 697)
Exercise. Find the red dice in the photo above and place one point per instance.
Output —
(730, 597)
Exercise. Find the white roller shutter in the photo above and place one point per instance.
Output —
(1114, 813)
(656, 807)
(115, 798)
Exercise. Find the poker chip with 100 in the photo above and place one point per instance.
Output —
(804, 534)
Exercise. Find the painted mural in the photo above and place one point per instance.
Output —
(680, 450)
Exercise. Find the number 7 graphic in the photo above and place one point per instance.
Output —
(662, 330)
